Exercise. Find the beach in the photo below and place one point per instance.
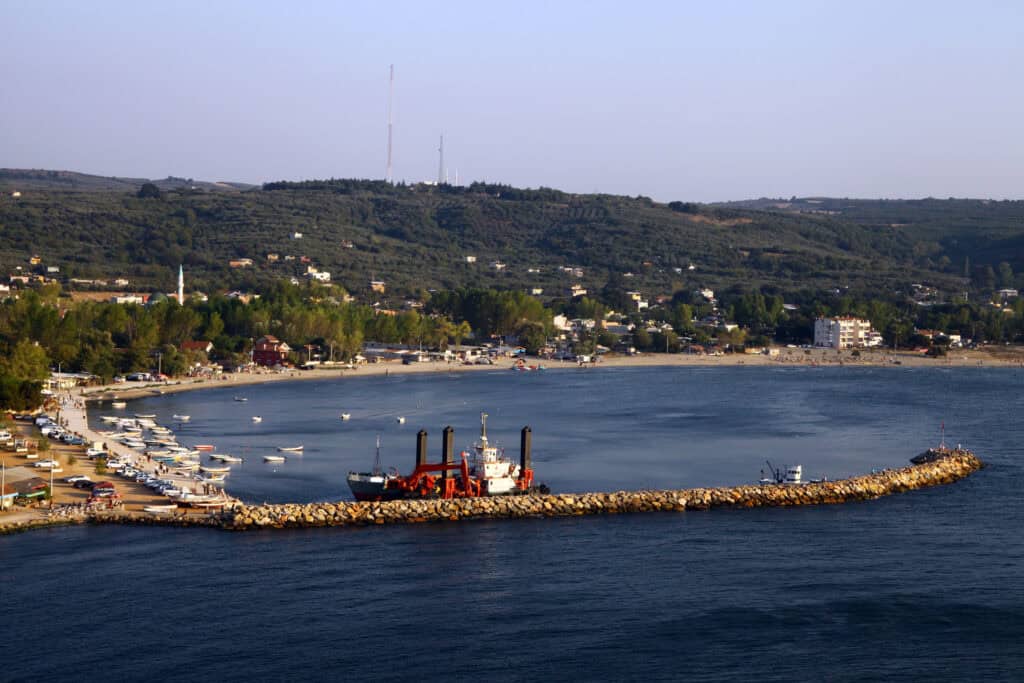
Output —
(989, 357)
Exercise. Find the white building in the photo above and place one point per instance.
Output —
(845, 333)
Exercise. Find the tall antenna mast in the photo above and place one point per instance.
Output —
(440, 168)
(391, 97)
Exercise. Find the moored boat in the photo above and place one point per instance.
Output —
(118, 404)
(273, 458)
(257, 418)
(204, 447)
(182, 418)
(161, 509)
(373, 485)
(291, 449)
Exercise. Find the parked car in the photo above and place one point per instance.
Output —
(76, 478)
(83, 484)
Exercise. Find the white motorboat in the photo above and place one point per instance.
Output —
(145, 416)
(118, 404)
(214, 469)
(224, 457)
(109, 418)
(257, 418)
(400, 419)
(291, 449)
(182, 418)
(241, 399)
(346, 416)
(161, 509)
(273, 458)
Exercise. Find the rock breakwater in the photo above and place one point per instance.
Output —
(948, 467)
(933, 468)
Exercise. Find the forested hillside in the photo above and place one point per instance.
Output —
(418, 237)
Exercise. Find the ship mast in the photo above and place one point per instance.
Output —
(376, 460)
(483, 427)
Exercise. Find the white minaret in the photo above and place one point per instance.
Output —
(181, 286)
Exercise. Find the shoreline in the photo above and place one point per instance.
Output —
(787, 357)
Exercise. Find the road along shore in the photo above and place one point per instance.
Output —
(933, 468)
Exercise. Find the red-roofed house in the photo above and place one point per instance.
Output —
(270, 351)
(198, 345)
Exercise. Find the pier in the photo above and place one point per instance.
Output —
(934, 468)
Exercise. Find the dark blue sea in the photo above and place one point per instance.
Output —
(927, 585)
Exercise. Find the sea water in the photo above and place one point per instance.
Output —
(925, 585)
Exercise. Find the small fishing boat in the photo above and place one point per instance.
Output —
(214, 469)
(204, 447)
(145, 416)
(224, 457)
(161, 509)
(182, 418)
(400, 419)
(109, 418)
(257, 418)
(291, 449)
(118, 404)
(241, 399)
(273, 458)
(346, 416)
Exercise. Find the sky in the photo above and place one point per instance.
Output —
(690, 101)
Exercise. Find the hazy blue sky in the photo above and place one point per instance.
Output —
(694, 101)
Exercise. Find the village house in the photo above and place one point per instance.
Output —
(197, 345)
(240, 263)
(270, 351)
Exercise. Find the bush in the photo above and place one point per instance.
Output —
(101, 465)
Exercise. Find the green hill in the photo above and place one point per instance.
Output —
(419, 237)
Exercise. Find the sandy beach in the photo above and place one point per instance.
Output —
(989, 357)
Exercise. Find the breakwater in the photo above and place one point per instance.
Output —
(932, 468)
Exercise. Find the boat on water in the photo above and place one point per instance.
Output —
(483, 471)
(241, 399)
(788, 474)
(291, 449)
(373, 485)
(109, 418)
(118, 404)
(182, 418)
(257, 418)
(273, 458)
(145, 416)
(400, 419)
(204, 447)
(346, 416)
(214, 469)
(224, 457)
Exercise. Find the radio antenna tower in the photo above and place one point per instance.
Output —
(391, 96)
(441, 179)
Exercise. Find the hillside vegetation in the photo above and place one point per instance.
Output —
(418, 237)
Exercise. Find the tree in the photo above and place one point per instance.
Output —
(149, 191)
(27, 361)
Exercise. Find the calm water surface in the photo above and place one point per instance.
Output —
(922, 586)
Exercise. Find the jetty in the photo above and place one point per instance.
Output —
(935, 467)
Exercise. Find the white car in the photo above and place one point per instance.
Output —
(95, 452)
(47, 464)
(76, 477)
